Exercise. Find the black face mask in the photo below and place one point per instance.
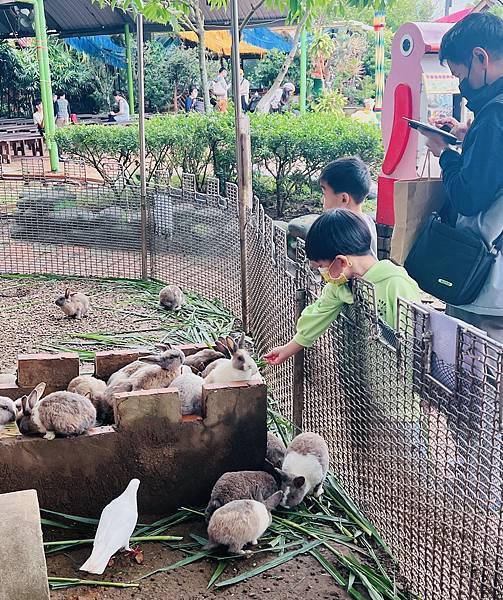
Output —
(466, 89)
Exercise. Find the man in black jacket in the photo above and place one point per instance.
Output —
(473, 179)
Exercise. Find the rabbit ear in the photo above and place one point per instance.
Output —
(221, 347)
(35, 395)
(67, 293)
(163, 346)
(152, 358)
(241, 341)
(272, 502)
(231, 344)
(25, 405)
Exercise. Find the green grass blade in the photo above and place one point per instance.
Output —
(216, 574)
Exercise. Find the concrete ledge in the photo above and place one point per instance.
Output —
(54, 369)
(24, 571)
(177, 459)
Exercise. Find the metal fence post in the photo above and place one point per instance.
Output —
(298, 368)
(141, 129)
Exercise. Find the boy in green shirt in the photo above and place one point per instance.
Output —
(339, 243)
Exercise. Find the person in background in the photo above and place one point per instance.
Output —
(122, 115)
(345, 183)
(339, 244)
(38, 116)
(252, 107)
(191, 100)
(244, 91)
(473, 178)
(282, 98)
(220, 88)
(62, 111)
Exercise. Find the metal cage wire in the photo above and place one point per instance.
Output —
(421, 454)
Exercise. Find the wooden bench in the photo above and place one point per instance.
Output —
(17, 144)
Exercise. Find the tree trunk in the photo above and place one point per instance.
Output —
(265, 102)
(175, 99)
(201, 48)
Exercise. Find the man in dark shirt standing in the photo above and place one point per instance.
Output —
(473, 178)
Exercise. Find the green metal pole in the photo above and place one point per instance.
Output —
(303, 71)
(45, 83)
(129, 60)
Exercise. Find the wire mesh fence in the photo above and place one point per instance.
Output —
(417, 444)
(415, 438)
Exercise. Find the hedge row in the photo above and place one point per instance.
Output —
(288, 151)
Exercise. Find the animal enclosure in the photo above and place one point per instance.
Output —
(420, 454)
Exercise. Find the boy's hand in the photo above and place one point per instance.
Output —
(277, 356)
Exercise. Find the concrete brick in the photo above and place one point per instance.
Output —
(24, 571)
(9, 388)
(244, 400)
(133, 407)
(56, 370)
(106, 363)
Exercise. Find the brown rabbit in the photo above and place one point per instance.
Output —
(63, 413)
(240, 522)
(74, 304)
(155, 372)
(171, 297)
(200, 360)
(92, 388)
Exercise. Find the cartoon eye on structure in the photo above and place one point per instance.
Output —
(406, 45)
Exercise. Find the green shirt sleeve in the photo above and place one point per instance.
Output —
(317, 317)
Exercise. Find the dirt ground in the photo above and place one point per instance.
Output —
(301, 577)
(31, 322)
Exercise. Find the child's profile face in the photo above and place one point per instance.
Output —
(333, 199)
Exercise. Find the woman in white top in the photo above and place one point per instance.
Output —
(244, 90)
(38, 116)
(122, 115)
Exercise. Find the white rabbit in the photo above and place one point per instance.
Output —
(63, 413)
(240, 522)
(240, 367)
(8, 411)
(190, 390)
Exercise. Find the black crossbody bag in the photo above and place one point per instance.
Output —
(449, 263)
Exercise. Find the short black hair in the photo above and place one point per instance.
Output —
(222, 69)
(338, 232)
(38, 101)
(350, 175)
(483, 30)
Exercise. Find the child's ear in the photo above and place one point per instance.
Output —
(346, 198)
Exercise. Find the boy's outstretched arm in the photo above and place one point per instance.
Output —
(313, 322)
(278, 355)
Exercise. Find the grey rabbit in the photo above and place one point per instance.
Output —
(200, 360)
(240, 485)
(171, 297)
(63, 413)
(8, 411)
(304, 469)
(74, 304)
(240, 522)
(190, 390)
(275, 450)
(156, 371)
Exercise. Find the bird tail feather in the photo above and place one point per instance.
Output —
(95, 564)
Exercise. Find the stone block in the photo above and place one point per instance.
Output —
(244, 400)
(56, 370)
(133, 407)
(106, 363)
(10, 388)
(24, 571)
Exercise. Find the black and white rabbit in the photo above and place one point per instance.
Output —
(240, 367)
(304, 469)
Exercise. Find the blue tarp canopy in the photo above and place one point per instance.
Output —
(267, 39)
(100, 47)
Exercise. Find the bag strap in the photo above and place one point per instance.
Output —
(498, 243)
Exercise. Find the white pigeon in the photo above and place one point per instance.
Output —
(117, 523)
